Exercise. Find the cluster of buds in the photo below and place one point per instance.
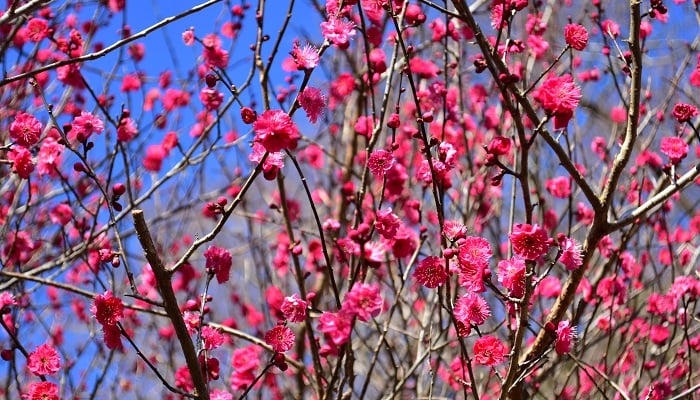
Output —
(499, 146)
(111, 257)
(657, 6)
(218, 206)
(118, 189)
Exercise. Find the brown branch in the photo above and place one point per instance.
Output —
(600, 226)
(163, 279)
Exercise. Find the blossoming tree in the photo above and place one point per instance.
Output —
(350, 199)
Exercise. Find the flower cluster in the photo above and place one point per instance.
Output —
(108, 311)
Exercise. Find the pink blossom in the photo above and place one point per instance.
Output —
(380, 162)
(112, 336)
(280, 338)
(218, 262)
(511, 274)
(49, 157)
(211, 98)
(126, 130)
(61, 214)
(559, 187)
(37, 29)
(294, 308)
(474, 256)
(188, 37)
(425, 69)
(472, 309)
(529, 241)
(430, 272)
(336, 326)
(44, 360)
(338, 31)
(683, 112)
(659, 334)
(363, 301)
(22, 162)
(276, 131)
(304, 57)
(387, 223)
(576, 36)
(84, 125)
(211, 337)
(41, 391)
(313, 102)
(107, 309)
(25, 130)
(490, 351)
(675, 148)
(570, 250)
(566, 334)
(559, 97)
(130, 83)
(155, 154)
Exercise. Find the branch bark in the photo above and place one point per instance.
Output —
(163, 279)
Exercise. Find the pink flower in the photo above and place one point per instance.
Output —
(22, 163)
(425, 69)
(474, 256)
(112, 336)
(211, 98)
(294, 308)
(363, 301)
(25, 130)
(338, 31)
(107, 309)
(188, 37)
(218, 262)
(217, 394)
(472, 309)
(280, 338)
(498, 19)
(475, 250)
(559, 97)
(7, 299)
(44, 360)
(49, 157)
(675, 148)
(576, 36)
(155, 154)
(499, 146)
(211, 337)
(511, 274)
(336, 326)
(570, 252)
(683, 112)
(42, 391)
(130, 83)
(559, 187)
(313, 102)
(529, 241)
(488, 350)
(566, 334)
(380, 162)
(387, 223)
(304, 57)
(276, 131)
(84, 125)
(126, 130)
(430, 272)
(37, 29)
(453, 230)
(659, 334)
